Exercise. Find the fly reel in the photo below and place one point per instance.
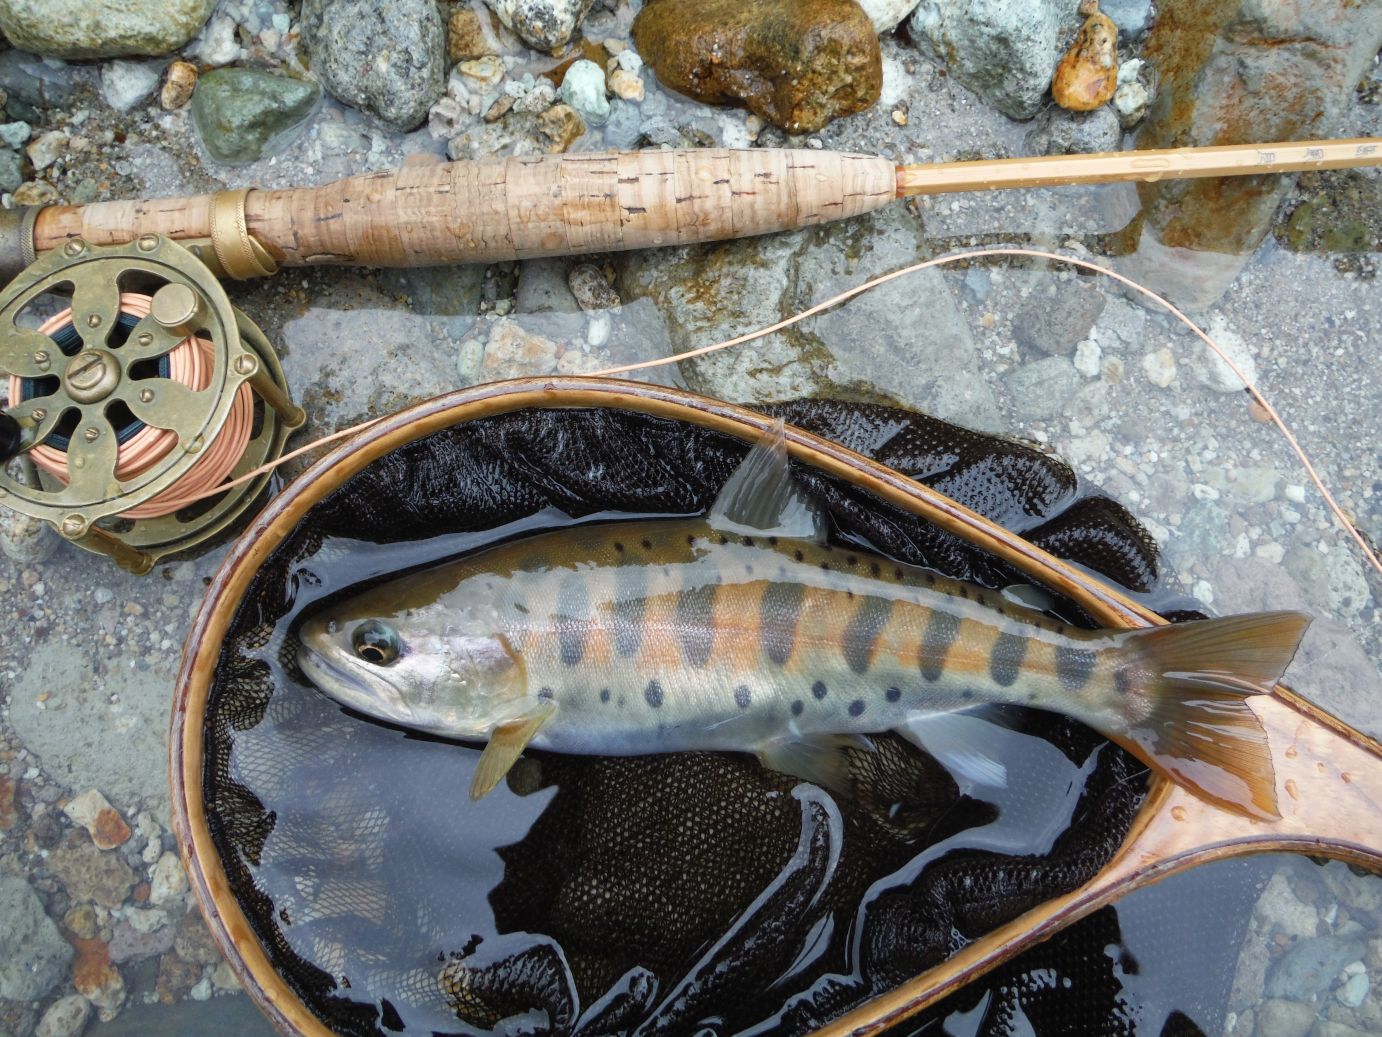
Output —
(133, 389)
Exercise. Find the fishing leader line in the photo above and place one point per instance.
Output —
(843, 297)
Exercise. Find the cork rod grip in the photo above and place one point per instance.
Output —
(518, 208)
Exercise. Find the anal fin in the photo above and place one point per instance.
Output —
(506, 745)
(820, 759)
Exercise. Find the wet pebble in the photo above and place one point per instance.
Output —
(242, 114)
(11, 170)
(89, 873)
(590, 288)
(67, 28)
(583, 88)
(47, 148)
(796, 63)
(386, 57)
(1160, 367)
(15, 134)
(1133, 17)
(544, 24)
(624, 125)
(66, 1017)
(217, 46)
(1004, 51)
(129, 943)
(125, 83)
(466, 37)
(179, 82)
(193, 941)
(1210, 370)
(28, 541)
(1355, 988)
(1347, 582)
(33, 954)
(1062, 132)
(168, 881)
(1136, 90)
(1087, 74)
(561, 125)
(1054, 323)
(1041, 389)
(887, 14)
(102, 821)
(1278, 1017)
(176, 978)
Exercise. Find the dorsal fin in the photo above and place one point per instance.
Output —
(761, 497)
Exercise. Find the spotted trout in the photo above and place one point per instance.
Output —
(747, 631)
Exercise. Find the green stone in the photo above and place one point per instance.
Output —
(243, 114)
(102, 28)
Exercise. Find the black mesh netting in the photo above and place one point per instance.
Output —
(683, 894)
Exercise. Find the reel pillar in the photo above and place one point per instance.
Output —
(133, 385)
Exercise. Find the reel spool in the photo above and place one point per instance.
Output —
(148, 389)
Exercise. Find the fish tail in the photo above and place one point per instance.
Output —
(1192, 682)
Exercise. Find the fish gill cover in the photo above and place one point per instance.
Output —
(662, 894)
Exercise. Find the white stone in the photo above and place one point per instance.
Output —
(146, 919)
(1354, 990)
(201, 991)
(1160, 368)
(445, 118)
(125, 83)
(66, 1017)
(1088, 357)
(629, 60)
(168, 881)
(885, 14)
(1212, 371)
(1294, 492)
(44, 150)
(217, 46)
(627, 85)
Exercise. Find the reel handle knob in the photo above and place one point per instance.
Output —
(11, 438)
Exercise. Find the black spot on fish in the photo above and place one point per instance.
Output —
(647, 544)
(572, 616)
(772, 541)
(748, 570)
(544, 694)
(652, 694)
(819, 690)
(851, 560)
(941, 630)
(1005, 660)
(967, 695)
(874, 569)
(798, 555)
(618, 547)
(856, 708)
(742, 697)
(893, 694)
(897, 574)
(723, 539)
(1073, 666)
(825, 566)
(797, 707)
(1122, 680)
(604, 694)
(696, 624)
(862, 630)
(778, 612)
(748, 541)
(691, 539)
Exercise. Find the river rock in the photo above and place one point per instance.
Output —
(711, 292)
(242, 114)
(1277, 1017)
(1059, 131)
(30, 79)
(386, 57)
(1212, 371)
(1133, 17)
(1239, 71)
(1055, 322)
(1041, 389)
(102, 821)
(544, 24)
(467, 36)
(1003, 50)
(33, 954)
(796, 63)
(91, 874)
(1311, 966)
(1087, 74)
(102, 28)
(887, 14)
(583, 88)
(125, 83)
(66, 1017)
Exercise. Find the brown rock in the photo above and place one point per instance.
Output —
(193, 941)
(89, 874)
(465, 36)
(178, 84)
(1239, 72)
(796, 63)
(561, 125)
(6, 803)
(176, 977)
(95, 977)
(1087, 75)
(80, 921)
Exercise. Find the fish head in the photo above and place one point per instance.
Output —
(458, 680)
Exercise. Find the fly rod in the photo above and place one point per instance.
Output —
(526, 207)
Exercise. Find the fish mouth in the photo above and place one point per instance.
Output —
(344, 686)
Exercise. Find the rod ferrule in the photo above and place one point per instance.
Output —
(240, 255)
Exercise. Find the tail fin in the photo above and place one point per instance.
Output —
(1195, 679)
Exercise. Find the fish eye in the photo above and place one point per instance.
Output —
(376, 642)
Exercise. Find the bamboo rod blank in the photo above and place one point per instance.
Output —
(521, 208)
(1168, 164)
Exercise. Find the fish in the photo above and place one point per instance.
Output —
(747, 630)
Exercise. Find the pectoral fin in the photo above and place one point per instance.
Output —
(506, 745)
(820, 759)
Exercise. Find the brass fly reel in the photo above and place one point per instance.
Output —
(130, 382)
